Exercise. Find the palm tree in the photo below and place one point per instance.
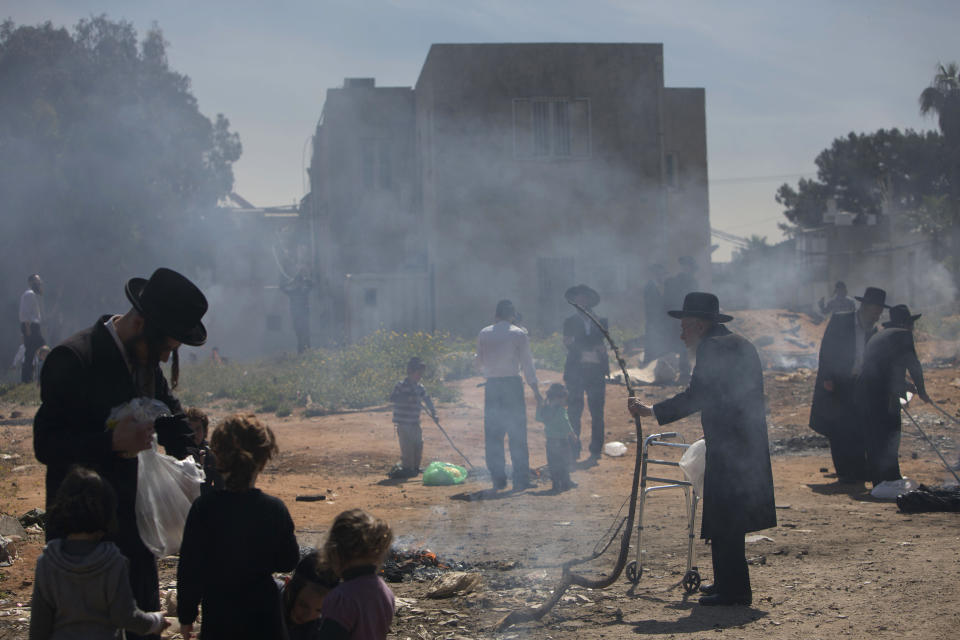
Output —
(942, 98)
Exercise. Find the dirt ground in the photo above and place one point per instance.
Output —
(838, 564)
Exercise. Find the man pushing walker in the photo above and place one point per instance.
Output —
(727, 388)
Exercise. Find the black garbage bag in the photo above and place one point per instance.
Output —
(925, 499)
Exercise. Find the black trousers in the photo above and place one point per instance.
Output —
(883, 449)
(849, 452)
(505, 416)
(730, 573)
(31, 343)
(589, 379)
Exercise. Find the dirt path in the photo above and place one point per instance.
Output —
(837, 564)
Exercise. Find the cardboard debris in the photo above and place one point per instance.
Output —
(757, 538)
(454, 583)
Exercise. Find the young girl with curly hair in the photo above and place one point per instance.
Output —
(234, 540)
(361, 607)
(304, 593)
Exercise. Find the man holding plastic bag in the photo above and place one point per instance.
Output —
(103, 368)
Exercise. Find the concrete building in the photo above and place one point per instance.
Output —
(512, 171)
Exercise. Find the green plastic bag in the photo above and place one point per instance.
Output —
(443, 473)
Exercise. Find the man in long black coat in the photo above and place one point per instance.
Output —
(586, 369)
(727, 389)
(106, 365)
(833, 412)
(889, 355)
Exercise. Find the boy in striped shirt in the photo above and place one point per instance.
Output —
(407, 397)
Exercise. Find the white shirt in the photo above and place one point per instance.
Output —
(503, 350)
(30, 307)
(112, 330)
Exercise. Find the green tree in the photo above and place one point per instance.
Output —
(860, 170)
(109, 168)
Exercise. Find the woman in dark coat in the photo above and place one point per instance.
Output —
(727, 388)
(889, 355)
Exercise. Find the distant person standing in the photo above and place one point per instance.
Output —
(833, 412)
(503, 351)
(409, 398)
(585, 369)
(656, 330)
(888, 356)
(840, 302)
(298, 290)
(675, 291)
(30, 318)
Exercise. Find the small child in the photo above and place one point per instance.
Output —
(81, 585)
(361, 607)
(556, 425)
(407, 396)
(199, 424)
(234, 540)
(303, 596)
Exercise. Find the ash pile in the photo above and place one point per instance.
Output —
(419, 565)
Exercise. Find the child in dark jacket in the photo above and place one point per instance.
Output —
(200, 424)
(303, 596)
(556, 425)
(82, 584)
(361, 607)
(234, 540)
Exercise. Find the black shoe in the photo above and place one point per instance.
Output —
(521, 486)
(717, 600)
(571, 484)
(708, 589)
(500, 483)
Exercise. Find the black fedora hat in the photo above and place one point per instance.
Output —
(873, 295)
(172, 303)
(593, 298)
(698, 304)
(900, 317)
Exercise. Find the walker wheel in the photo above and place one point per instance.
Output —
(634, 571)
(691, 581)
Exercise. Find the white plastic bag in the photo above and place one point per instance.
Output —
(143, 409)
(693, 462)
(166, 487)
(890, 489)
(615, 449)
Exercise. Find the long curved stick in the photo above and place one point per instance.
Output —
(930, 442)
(567, 577)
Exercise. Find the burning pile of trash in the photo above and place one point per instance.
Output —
(420, 565)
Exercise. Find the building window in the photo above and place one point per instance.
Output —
(671, 170)
(551, 127)
(370, 297)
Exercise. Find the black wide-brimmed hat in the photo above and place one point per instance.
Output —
(172, 303)
(416, 363)
(900, 317)
(698, 304)
(873, 295)
(593, 298)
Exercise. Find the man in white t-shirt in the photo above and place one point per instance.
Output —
(503, 352)
(30, 317)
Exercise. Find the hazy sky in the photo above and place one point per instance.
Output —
(782, 79)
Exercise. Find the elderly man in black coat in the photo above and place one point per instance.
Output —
(833, 412)
(114, 361)
(586, 369)
(727, 388)
(889, 355)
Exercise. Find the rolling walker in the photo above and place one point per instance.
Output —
(691, 579)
